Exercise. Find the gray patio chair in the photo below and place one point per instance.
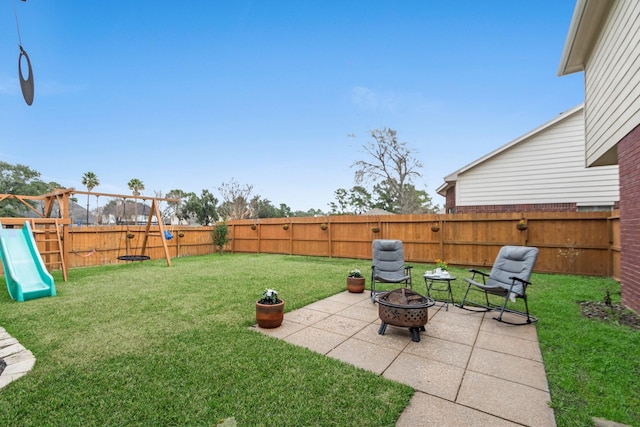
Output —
(508, 279)
(388, 265)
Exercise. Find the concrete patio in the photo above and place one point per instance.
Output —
(467, 369)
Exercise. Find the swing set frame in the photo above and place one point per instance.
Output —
(150, 229)
(61, 198)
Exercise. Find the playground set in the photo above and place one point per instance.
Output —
(27, 267)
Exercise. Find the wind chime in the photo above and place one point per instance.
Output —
(26, 85)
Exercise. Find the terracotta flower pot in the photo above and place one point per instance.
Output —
(269, 315)
(355, 285)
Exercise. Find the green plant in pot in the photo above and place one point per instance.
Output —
(355, 281)
(269, 309)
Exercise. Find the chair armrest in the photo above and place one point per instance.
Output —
(474, 271)
(481, 273)
(516, 294)
(524, 282)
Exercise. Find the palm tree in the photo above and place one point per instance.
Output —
(89, 180)
(135, 185)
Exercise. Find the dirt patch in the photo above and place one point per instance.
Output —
(614, 313)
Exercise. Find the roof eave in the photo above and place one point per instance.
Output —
(587, 20)
(442, 190)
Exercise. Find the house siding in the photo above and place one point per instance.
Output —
(610, 57)
(544, 172)
(612, 83)
(629, 158)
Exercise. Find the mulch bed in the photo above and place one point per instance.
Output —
(614, 313)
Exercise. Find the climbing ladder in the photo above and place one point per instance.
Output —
(52, 255)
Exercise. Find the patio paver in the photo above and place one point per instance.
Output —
(467, 369)
(18, 359)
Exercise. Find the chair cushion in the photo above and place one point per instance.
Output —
(388, 261)
(513, 261)
(388, 255)
(391, 276)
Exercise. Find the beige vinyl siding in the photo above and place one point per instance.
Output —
(548, 167)
(612, 82)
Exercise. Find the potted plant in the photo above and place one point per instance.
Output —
(375, 229)
(355, 281)
(441, 266)
(435, 227)
(269, 310)
(324, 226)
(521, 225)
(285, 227)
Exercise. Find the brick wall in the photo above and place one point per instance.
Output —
(450, 206)
(535, 207)
(450, 200)
(629, 163)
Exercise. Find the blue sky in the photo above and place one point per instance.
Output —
(190, 95)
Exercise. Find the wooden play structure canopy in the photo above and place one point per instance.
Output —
(56, 229)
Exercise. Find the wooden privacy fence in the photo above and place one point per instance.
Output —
(99, 245)
(585, 243)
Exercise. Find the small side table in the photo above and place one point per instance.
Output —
(431, 282)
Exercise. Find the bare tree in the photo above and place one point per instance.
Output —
(391, 162)
(235, 200)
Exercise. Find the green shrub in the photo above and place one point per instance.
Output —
(220, 236)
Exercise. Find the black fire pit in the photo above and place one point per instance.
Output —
(405, 308)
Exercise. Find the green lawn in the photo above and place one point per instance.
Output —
(593, 367)
(144, 344)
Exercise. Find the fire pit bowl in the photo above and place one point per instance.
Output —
(406, 308)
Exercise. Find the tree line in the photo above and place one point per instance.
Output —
(384, 179)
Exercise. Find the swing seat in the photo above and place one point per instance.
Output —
(127, 256)
(134, 258)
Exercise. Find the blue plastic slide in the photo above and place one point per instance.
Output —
(26, 275)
